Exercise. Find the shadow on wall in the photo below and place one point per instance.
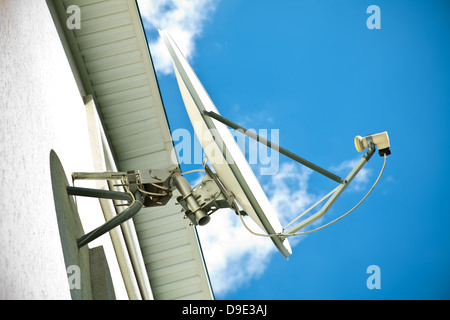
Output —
(87, 269)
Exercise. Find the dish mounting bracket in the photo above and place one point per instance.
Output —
(154, 187)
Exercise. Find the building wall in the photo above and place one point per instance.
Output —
(40, 109)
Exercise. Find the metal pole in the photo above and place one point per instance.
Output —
(312, 207)
(338, 191)
(274, 146)
(114, 222)
(200, 216)
(98, 193)
(98, 175)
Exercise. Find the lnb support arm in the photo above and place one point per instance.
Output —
(333, 196)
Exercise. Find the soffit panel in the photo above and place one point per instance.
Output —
(117, 68)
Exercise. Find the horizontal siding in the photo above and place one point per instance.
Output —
(111, 62)
(118, 85)
(143, 129)
(105, 37)
(143, 114)
(174, 270)
(124, 95)
(157, 161)
(116, 60)
(180, 289)
(175, 276)
(81, 3)
(118, 110)
(161, 212)
(109, 50)
(99, 24)
(94, 10)
(125, 71)
(155, 243)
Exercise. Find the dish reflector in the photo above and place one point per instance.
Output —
(222, 150)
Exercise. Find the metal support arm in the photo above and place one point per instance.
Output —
(334, 195)
(114, 222)
(154, 188)
(273, 146)
(145, 188)
(98, 193)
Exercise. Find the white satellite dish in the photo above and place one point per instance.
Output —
(233, 169)
(233, 180)
(222, 150)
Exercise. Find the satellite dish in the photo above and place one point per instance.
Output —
(222, 150)
(233, 180)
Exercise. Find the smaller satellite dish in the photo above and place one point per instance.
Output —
(222, 150)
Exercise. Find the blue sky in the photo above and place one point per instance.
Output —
(314, 71)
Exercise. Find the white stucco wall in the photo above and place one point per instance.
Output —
(40, 109)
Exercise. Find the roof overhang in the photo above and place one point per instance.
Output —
(110, 58)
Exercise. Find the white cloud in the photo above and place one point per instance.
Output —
(184, 19)
(288, 190)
